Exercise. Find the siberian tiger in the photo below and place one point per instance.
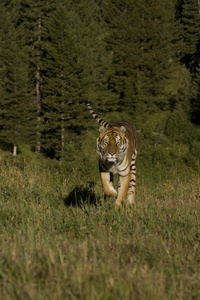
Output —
(117, 148)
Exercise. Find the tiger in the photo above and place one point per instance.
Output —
(117, 149)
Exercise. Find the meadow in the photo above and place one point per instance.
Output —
(59, 241)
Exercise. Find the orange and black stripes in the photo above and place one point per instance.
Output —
(96, 117)
(117, 148)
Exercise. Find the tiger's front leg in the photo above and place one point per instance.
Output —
(107, 184)
(123, 188)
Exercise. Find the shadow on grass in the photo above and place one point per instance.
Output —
(81, 195)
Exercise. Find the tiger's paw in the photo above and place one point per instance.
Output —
(110, 192)
(118, 202)
(130, 199)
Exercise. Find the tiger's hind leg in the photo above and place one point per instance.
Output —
(107, 183)
(132, 184)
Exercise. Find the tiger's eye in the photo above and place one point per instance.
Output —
(118, 141)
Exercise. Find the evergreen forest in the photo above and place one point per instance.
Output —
(137, 60)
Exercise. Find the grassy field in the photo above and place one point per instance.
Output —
(59, 242)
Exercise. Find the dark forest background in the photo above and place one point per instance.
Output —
(135, 60)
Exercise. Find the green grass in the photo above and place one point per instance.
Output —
(59, 242)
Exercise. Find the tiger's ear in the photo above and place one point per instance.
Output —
(122, 129)
(102, 129)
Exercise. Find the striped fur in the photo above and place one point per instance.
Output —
(117, 148)
(96, 117)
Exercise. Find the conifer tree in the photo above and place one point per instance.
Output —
(96, 57)
(17, 108)
(76, 67)
(190, 18)
(61, 82)
(142, 34)
(195, 97)
(32, 18)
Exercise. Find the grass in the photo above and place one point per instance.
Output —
(59, 242)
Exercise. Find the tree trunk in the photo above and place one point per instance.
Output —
(62, 120)
(62, 138)
(38, 96)
(14, 150)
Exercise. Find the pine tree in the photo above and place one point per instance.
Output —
(142, 34)
(189, 14)
(32, 17)
(76, 67)
(190, 18)
(96, 57)
(195, 97)
(17, 108)
(121, 19)
(61, 77)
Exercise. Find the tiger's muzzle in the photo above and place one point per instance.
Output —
(111, 157)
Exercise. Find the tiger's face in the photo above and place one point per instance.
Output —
(112, 144)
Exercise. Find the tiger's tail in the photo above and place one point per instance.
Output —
(96, 117)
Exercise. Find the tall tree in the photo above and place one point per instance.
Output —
(76, 67)
(142, 34)
(61, 82)
(96, 57)
(17, 106)
(189, 14)
(190, 17)
(32, 17)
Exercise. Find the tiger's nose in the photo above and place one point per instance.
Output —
(112, 153)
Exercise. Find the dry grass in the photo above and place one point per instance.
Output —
(53, 250)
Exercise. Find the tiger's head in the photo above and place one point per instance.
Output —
(112, 144)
